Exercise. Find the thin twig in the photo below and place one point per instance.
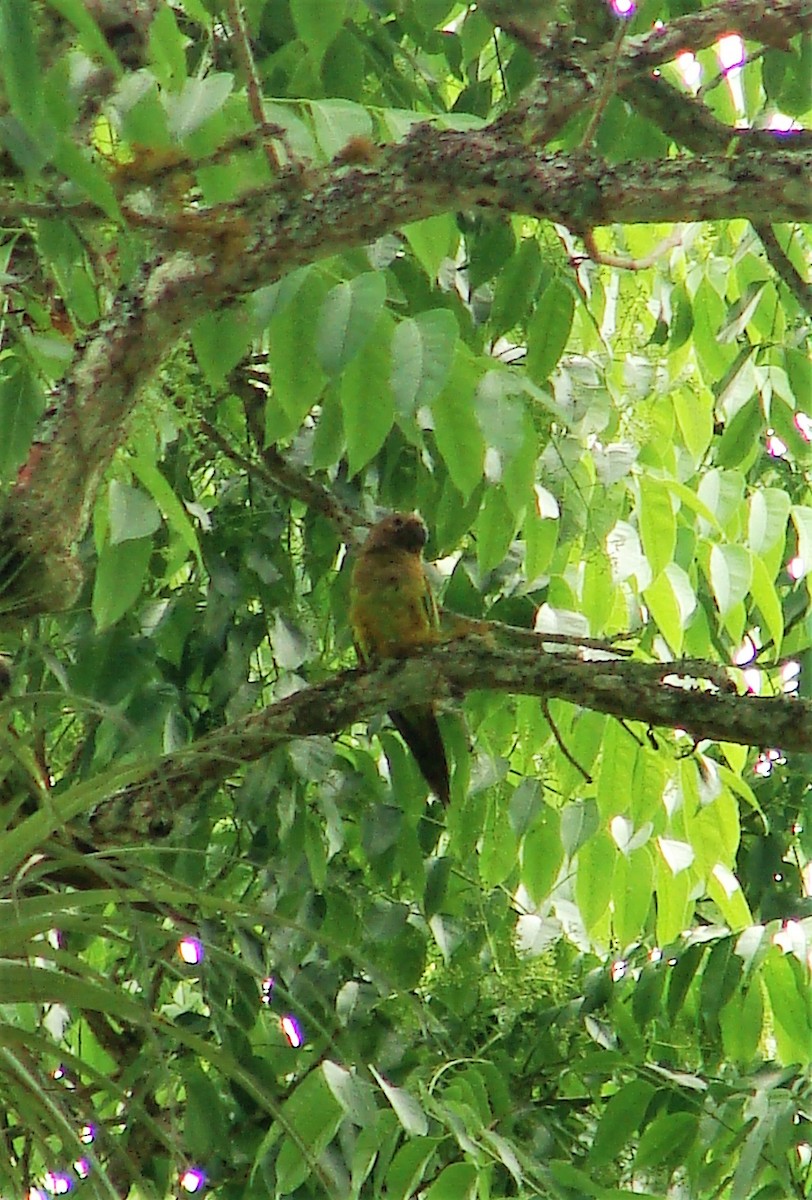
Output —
(607, 89)
(242, 47)
(458, 626)
(784, 269)
(607, 259)
(545, 708)
(278, 473)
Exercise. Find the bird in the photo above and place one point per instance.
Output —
(392, 614)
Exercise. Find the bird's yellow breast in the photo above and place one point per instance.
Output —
(391, 605)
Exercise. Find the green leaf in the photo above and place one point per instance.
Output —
(709, 313)
(407, 1109)
(88, 177)
(784, 420)
(336, 121)
(598, 591)
(768, 510)
(402, 960)
(198, 101)
(204, 1117)
(220, 340)
(731, 570)
(516, 287)
(329, 442)
(758, 1149)
(579, 820)
(438, 871)
(577, 1182)
(133, 514)
(658, 526)
(722, 492)
(91, 37)
(422, 356)
(692, 501)
(317, 23)
(741, 312)
(742, 1025)
(741, 434)
(648, 786)
(593, 881)
(632, 895)
(666, 1141)
(802, 520)
(787, 982)
(549, 329)
(682, 976)
(19, 63)
(498, 851)
(618, 756)
(525, 807)
(682, 318)
(168, 49)
(799, 373)
(671, 601)
(408, 1169)
(542, 854)
(31, 832)
(366, 399)
(584, 742)
(495, 527)
(694, 412)
(170, 506)
(458, 436)
(311, 1115)
(674, 903)
(298, 134)
(142, 113)
(621, 1117)
(490, 249)
(296, 378)
(457, 1182)
(21, 404)
(719, 980)
(120, 575)
(24, 983)
(290, 647)
(355, 1095)
(349, 316)
(430, 13)
(765, 596)
(432, 241)
(509, 437)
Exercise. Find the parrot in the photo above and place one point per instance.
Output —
(392, 613)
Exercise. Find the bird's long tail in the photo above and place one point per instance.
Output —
(418, 727)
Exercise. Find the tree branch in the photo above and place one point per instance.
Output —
(568, 80)
(214, 257)
(783, 267)
(675, 695)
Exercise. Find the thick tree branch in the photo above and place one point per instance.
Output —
(272, 232)
(690, 124)
(674, 695)
(568, 80)
(213, 258)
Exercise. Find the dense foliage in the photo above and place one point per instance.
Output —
(273, 268)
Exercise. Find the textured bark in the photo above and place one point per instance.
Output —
(214, 258)
(676, 695)
(432, 171)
